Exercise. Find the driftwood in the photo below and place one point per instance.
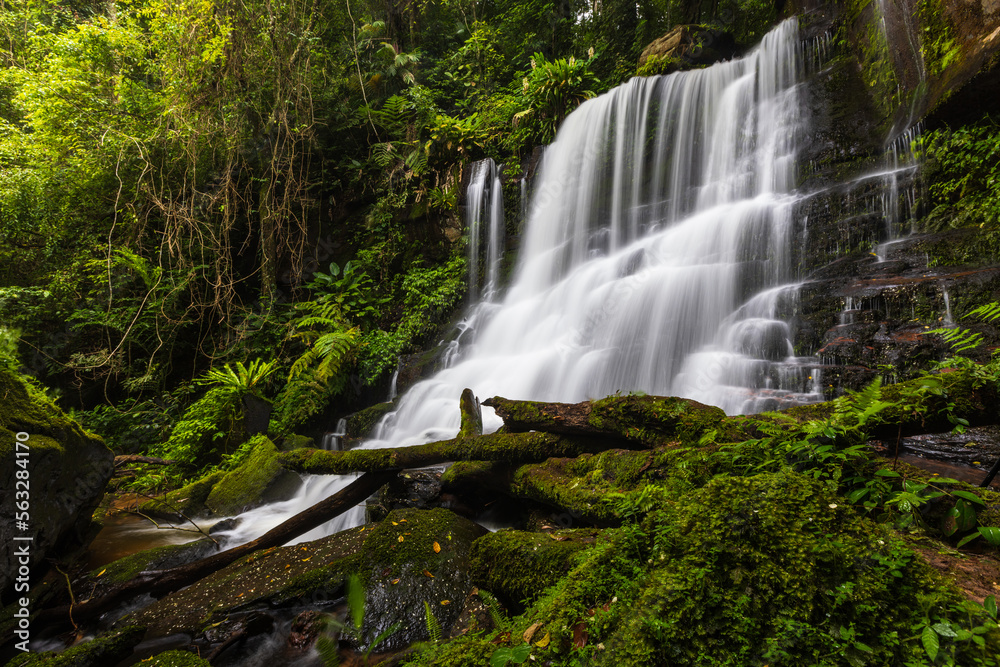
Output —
(166, 581)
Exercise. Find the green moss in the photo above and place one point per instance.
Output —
(519, 566)
(105, 650)
(361, 423)
(772, 569)
(657, 65)
(169, 555)
(259, 478)
(654, 420)
(27, 409)
(186, 501)
(176, 659)
(940, 47)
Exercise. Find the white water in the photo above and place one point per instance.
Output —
(656, 258)
(485, 218)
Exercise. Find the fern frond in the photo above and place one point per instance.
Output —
(433, 626)
(960, 340)
(989, 313)
(496, 613)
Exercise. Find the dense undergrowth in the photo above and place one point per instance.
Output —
(794, 547)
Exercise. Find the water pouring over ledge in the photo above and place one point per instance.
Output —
(655, 253)
(656, 259)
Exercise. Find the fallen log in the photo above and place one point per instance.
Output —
(507, 447)
(648, 420)
(166, 581)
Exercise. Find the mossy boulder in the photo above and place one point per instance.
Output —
(685, 47)
(361, 423)
(109, 649)
(157, 558)
(187, 501)
(397, 561)
(58, 468)
(519, 566)
(259, 480)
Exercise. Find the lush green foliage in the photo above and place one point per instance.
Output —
(963, 176)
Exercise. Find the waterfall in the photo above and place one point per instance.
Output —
(656, 257)
(484, 204)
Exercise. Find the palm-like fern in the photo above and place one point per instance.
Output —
(243, 379)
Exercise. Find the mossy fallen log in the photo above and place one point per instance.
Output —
(507, 447)
(165, 581)
(648, 420)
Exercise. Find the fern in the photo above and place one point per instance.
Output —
(496, 613)
(961, 340)
(242, 379)
(433, 626)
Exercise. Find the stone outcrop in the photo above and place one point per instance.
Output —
(54, 473)
(686, 47)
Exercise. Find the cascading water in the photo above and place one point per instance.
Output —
(655, 253)
(485, 218)
(656, 258)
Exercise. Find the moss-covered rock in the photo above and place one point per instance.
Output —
(157, 558)
(187, 501)
(54, 470)
(518, 566)
(361, 423)
(109, 649)
(260, 479)
(397, 560)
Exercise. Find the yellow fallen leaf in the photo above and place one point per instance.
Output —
(287, 566)
(402, 520)
(530, 632)
(305, 559)
(395, 523)
(543, 642)
(444, 602)
(106, 569)
(400, 538)
(437, 548)
(428, 574)
(395, 581)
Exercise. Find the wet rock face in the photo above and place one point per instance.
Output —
(685, 47)
(410, 558)
(60, 481)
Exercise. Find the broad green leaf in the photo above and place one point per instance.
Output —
(930, 641)
(944, 629)
(971, 497)
(968, 538)
(990, 604)
(991, 533)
